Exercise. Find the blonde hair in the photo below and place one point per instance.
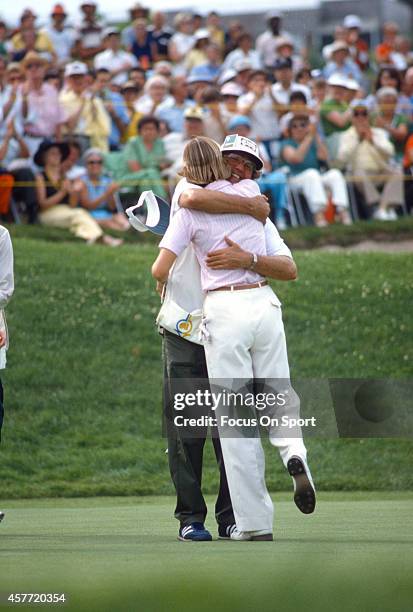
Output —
(203, 162)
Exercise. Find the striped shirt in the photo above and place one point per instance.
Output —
(207, 233)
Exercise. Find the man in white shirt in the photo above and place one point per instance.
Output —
(63, 37)
(6, 291)
(255, 523)
(114, 59)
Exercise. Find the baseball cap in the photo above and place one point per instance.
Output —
(282, 63)
(226, 76)
(201, 34)
(238, 120)
(352, 21)
(231, 89)
(157, 214)
(75, 68)
(194, 112)
(240, 144)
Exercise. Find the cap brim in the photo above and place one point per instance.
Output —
(157, 214)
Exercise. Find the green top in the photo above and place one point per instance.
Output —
(326, 108)
(398, 119)
(146, 158)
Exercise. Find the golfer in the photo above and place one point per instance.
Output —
(6, 291)
(242, 325)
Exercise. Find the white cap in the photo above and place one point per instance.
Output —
(231, 89)
(352, 21)
(338, 80)
(353, 85)
(109, 31)
(201, 34)
(226, 76)
(284, 40)
(243, 64)
(387, 91)
(338, 45)
(75, 68)
(240, 144)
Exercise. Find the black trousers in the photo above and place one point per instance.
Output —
(185, 370)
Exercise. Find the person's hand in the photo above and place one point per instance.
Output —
(230, 258)
(3, 338)
(259, 208)
(113, 188)
(66, 185)
(380, 121)
(76, 186)
(10, 131)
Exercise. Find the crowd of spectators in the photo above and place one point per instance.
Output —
(92, 113)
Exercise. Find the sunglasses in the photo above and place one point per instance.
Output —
(94, 161)
(360, 113)
(30, 66)
(240, 160)
(300, 124)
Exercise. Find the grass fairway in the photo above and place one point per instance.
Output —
(354, 553)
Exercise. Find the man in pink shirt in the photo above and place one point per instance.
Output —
(242, 328)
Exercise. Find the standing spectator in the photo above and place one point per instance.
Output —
(303, 151)
(130, 93)
(63, 37)
(97, 193)
(88, 120)
(156, 92)
(173, 108)
(143, 47)
(359, 49)
(385, 49)
(89, 33)
(58, 196)
(266, 44)
(341, 63)
(335, 113)
(368, 153)
(161, 35)
(137, 11)
(259, 105)
(114, 105)
(182, 41)
(42, 112)
(395, 124)
(114, 59)
(243, 51)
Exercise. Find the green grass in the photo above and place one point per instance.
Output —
(354, 553)
(83, 384)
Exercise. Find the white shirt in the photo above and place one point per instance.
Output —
(264, 121)
(184, 282)
(238, 54)
(6, 284)
(114, 61)
(62, 41)
(283, 95)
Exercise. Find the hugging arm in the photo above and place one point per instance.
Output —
(218, 202)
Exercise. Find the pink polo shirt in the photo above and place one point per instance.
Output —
(207, 233)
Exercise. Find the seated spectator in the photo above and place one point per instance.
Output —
(368, 154)
(182, 41)
(215, 126)
(28, 38)
(304, 151)
(161, 34)
(97, 193)
(114, 105)
(408, 174)
(58, 196)
(216, 31)
(15, 161)
(62, 36)
(384, 51)
(340, 36)
(42, 112)
(212, 65)
(197, 55)
(143, 47)
(389, 76)
(156, 91)
(89, 33)
(335, 112)
(395, 124)
(318, 92)
(130, 93)
(137, 11)
(359, 49)
(234, 31)
(298, 106)
(230, 92)
(11, 80)
(272, 182)
(173, 108)
(175, 141)
(88, 122)
(140, 163)
(342, 64)
(198, 80)
(114, 59)
(304, 77)
(243, 51)
(4, 52)
(285, 50)
(259, 105)
(138, 76)
(70, 166)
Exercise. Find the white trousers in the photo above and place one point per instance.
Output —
(312, 183)
(245, 339)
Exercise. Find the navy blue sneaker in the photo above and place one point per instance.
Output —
(224, 531)
(195, 532)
